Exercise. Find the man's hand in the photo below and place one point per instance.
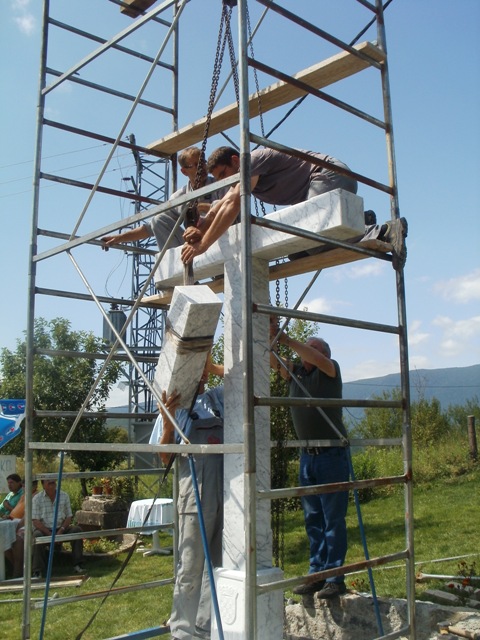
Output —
(108, 241)
(171, 404)
(190, 251)
(192, 235)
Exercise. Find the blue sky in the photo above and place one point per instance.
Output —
(434, 58)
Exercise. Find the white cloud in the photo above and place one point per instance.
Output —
(365, 269)
(461, 289)
(319, 305)
(458, 335)
(25, 19)
(415, 336)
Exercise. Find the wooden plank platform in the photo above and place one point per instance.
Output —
(329, 258)
(324, 73)
(136, 7)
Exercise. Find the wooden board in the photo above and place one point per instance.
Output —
(320, 75)
(136, 7)
(289, 268)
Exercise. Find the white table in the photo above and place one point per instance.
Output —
(161, 514)
(8, 532)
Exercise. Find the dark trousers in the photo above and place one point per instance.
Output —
(38, 560)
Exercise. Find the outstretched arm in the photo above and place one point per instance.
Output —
(138, 233)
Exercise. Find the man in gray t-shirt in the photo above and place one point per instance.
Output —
(281, 179)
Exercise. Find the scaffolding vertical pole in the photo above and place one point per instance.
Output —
(403, 340)
(32, 270)
(246, 256)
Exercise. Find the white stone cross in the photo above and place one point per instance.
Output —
(337, 214)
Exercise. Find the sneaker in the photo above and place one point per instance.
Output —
(79, 569)
(396, 233)
(332, 590)
(37, 574)
(308, 588)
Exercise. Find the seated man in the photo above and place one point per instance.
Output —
(43, 511)
(13, 497)
(280, 179)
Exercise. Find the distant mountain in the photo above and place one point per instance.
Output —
(454, 385)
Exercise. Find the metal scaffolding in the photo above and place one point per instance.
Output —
(76, 245)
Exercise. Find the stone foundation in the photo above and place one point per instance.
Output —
(352, 617)
(102, 512)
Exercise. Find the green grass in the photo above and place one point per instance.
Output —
(446, 516)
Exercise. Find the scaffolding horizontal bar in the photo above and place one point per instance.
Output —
(102, 138)
(114, 591)
(114, 92)
(117, 47)
(269, 401)
(87, 185)
(330, 573)
(104, 533)
(320, 317)
(59, 293)
(93, 356)
(317, 489)
(138, 448)
(131, 248)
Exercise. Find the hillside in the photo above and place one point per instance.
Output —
(454, 385)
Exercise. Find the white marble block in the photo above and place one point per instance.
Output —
(230, 587)
(337, 214)
(190, 329)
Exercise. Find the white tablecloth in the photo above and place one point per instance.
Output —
(8, 529)
(162, 512)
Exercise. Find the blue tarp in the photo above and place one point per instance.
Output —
(12, 413)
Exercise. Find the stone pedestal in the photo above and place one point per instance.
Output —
(102, 512)
(190, 328)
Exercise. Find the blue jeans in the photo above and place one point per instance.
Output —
(325, 513)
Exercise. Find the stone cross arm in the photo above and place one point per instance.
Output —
(336, 214)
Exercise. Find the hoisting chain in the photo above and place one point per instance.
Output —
(191, 216)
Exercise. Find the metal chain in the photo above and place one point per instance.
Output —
(191, 216)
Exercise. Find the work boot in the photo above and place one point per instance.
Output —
(308, 588)
(395, 234)
(332, 590)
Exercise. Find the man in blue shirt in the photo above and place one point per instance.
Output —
(191, 608)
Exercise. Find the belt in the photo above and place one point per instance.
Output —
(315, 451)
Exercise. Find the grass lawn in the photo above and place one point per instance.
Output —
(446, 517)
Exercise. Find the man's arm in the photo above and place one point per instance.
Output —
(38, 524)
(221, 216)
(138, 233)
(168, 430)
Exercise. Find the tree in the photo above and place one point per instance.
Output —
(382, 423)
(62, 383)
(458, 414)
